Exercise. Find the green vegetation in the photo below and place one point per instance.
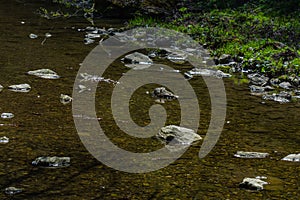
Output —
(70, 8)
(265, 35)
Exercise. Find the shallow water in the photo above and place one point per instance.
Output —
(42, 126)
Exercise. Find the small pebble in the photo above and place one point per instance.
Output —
(33, 36)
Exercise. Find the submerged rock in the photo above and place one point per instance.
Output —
(259, 90)
(137, 61)
(52, 161)
(12, 190)
(257, 79)
(20, 88)
(163, 94)
(7, 115)
(4, 140)
(1, 88)
(253, 184)
(208, 72)
(244, 154)
(292, 158)
(177, 134)
(44, 73)
(65, 99)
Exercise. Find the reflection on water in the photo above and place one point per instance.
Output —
(42, 126)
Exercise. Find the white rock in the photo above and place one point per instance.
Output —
(253, 184)
(245, 154)
(292, 158)
(20, 88)
(7, 115)
(44, 73)
(178, 135)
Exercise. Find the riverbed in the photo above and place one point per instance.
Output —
(43, 126)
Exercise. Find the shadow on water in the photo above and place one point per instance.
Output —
(42, 126)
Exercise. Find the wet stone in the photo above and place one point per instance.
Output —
(177, 57)
(224, 59)
(208, 72)
(20, 88)
(52, 161)
(285, 85)
(4, 140)
(282, 97)
(33, 36)
(253, 184)
(259, 90)
(244, 154)
(94, 78)
(257, 79)
(12, 190)
(1, 88)
(88, 41)
(178, 135)
(162, 93)
(275, 81)
(65, 99)
(7, 115)
(44, 73)
(292, 158)
(137, 61)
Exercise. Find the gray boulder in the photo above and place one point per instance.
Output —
(178, 135)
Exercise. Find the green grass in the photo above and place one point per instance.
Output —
(246, 32)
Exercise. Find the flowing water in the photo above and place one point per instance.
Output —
(42, 126)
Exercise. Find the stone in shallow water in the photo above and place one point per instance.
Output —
(137, 61)
(1, 88)
(292, 158)
(52, 161)
(253, 184)
(162, 93)
(245, 154)
(65, 99)
(44, 73)
(257, 79)
(7, 115)
(12, 190)
(177, 57)
(178, 135)
(282, 97)
(4, 140)
(208, 72)
(285, 85)
(33, 36)
(20, 88)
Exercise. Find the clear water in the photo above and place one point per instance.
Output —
(42, 126)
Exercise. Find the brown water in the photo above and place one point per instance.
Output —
(42, 126)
